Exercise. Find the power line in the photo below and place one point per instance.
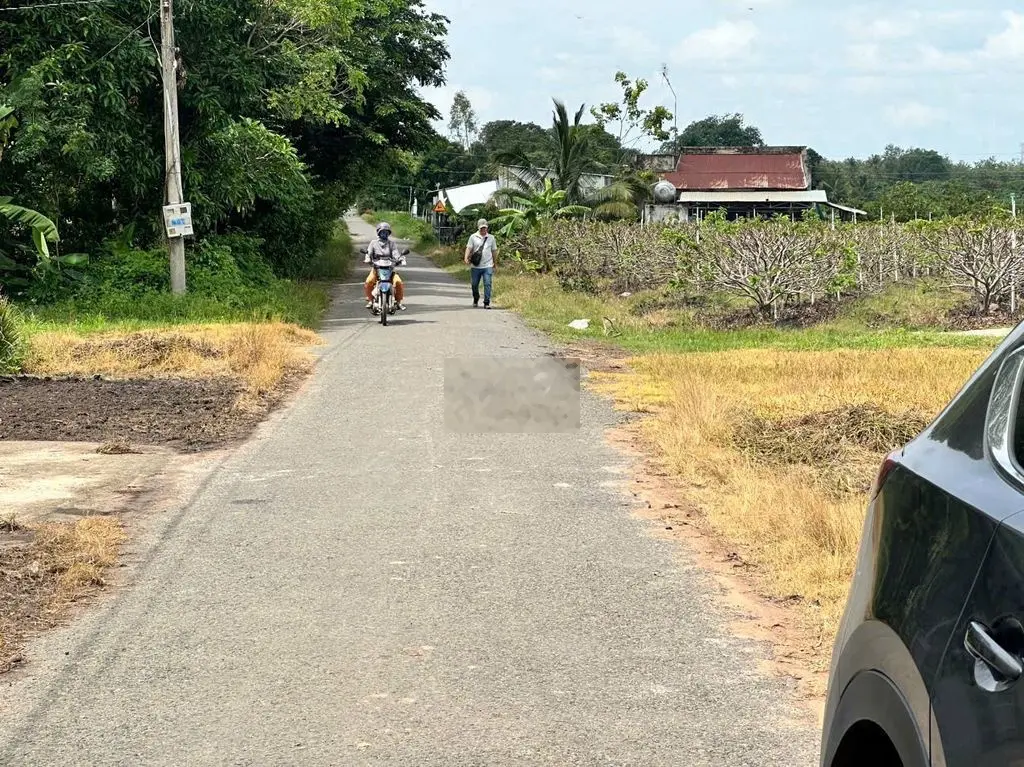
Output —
(125, 38)
(53, 5)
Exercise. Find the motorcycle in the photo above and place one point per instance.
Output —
(384, 303)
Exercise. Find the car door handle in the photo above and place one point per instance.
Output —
(981, 645)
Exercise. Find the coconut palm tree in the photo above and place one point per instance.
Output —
(569, 160)
(531, 207)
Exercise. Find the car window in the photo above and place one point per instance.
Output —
(1018, 435)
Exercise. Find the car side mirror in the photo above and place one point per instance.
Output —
(405, 252)
(1001, 418)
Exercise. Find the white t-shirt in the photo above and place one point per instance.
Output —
(487, 257)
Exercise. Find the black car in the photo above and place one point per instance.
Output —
(928, 663)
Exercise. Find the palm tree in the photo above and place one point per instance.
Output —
(531, 207)
(569, 160)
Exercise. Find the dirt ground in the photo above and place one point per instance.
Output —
(188, 415)
(80, 460)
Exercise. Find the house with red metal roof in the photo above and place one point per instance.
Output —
(743, 181)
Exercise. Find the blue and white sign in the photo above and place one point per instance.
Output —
(178, 219)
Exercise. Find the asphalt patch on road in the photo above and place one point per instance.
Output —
(184, 414)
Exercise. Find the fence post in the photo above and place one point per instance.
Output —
(1013, 256)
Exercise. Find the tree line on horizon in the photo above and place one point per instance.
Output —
(901, 183)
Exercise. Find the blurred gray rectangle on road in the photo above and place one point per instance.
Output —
(503, 395)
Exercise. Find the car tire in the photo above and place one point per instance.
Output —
(873, 725)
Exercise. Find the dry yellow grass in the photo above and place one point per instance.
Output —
(802, 538)
(60, 565)
(78, 554)
(261, 355)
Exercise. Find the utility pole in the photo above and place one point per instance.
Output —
(172, 149)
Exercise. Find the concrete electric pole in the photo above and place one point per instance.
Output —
(177, 215)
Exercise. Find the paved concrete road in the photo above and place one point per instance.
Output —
(360, 585)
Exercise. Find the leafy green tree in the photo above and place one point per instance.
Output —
(502, 138)
(286, 110)
(633, 122)
(716, 130)
(462, 122)
(567, 158)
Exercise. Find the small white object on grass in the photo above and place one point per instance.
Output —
(579, 324)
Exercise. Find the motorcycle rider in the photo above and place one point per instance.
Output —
(383, 247)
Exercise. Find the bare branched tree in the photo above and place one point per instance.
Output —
(768, 262)
(976, 256)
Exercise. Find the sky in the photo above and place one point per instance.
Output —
(846, 79)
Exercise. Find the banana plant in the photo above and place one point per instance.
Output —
(43, 229)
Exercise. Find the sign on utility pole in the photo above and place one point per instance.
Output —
(177, 216)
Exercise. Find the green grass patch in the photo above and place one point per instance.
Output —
(405, 227)
(301, 303)
(917, 305)
(12, 337)
(334, 261)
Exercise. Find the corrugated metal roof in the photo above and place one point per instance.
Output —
(847, 208)
(461, 197)
(731, 169)
(811, 195)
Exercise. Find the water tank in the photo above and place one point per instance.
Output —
(664, 192)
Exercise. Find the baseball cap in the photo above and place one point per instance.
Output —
(481, 223)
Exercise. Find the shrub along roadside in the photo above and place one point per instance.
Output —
(405, 227)
(12, 338)
(228, 279)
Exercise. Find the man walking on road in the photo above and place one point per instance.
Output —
(482, 256)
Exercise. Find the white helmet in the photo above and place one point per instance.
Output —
(383, 226)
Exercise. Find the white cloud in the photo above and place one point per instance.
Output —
(1008, 44)
(727, 41)
(932, 59)
(551, 74)
(888, 27)
(632, 40)
(865, 56)
(894, 54)
(866, 84)
(913, 114)
(799, 83)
